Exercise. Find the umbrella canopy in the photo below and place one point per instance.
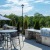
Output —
(3, 18)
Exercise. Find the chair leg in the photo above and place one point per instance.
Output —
(11, 43)
(22, 40)
(19, 42)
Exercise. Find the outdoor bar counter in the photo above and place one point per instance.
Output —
(42, 35)
(31, 33)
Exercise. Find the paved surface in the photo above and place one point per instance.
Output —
(28, 45)
(33, 45)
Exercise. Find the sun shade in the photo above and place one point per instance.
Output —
(3, 18)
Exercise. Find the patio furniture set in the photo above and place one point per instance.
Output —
(7, 35)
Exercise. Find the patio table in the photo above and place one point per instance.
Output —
(7, 34)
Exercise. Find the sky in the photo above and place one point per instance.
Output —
(30, 7)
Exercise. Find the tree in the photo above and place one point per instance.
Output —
(42, 22)
(25, 24)
(37, 25)
(38, 16)
(31, 21)
(18, 26)
(14, 19)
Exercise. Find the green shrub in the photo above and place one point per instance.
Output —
(25, 26)
(18, 26)
(37, 25)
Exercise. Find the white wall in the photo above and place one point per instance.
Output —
(46, 40)
(26, 34)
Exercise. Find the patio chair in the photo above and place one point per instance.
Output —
(1, 40)
(14, 36)
(1, 37)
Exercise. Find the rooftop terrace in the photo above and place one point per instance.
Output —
(30, 45)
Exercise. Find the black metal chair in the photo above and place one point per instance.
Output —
(14, 35)
(1, 40)
(1, 37)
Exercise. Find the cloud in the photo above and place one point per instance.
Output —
(47, 2)
(18, 2)
(15, 7)
(42, 1)
(37, 1)
(6, 5)
(15, 10)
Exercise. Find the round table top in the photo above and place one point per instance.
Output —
(7, 31)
